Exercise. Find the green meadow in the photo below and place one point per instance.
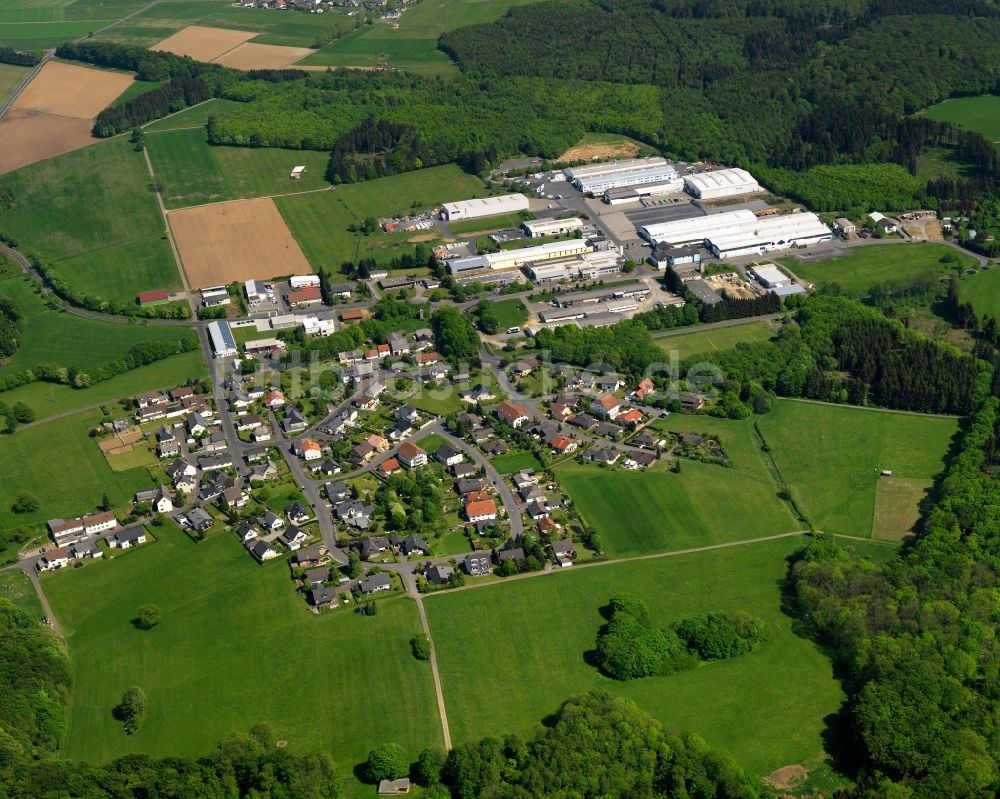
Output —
(656, 510)
(62, 466)
(511, 652)
(706, 341)
(983, 291)
(981, 114)
(869, 265)
(236, 645)
(831, 456)
(93, 214)
(191, 172)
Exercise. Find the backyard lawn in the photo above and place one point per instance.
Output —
(831, 457)
(236, 645)
(511, 462)
(766, 708)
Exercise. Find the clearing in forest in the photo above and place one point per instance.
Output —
(241, 240)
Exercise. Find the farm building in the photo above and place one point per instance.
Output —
(297, 172)
(722, 183)
(539, 228)
(768, 234)
(223, 342)
(511, 259)
(598, 178)
(487, 206)
(157, 297)
(883, 223)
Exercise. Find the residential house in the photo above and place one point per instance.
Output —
(560, 412)
(308, 557)
(53, 559)
(86, 550)
(208, 463)
(234, 497)
(467, 486)
(322, 596)
(361, 453)
(644, 389)
(398, 345)
(609, 430)
(254, 454)
(375, 583)
(428, 358)
(168, 449)
(648, 439)
(602, 455)
(261, 472)
(378, 443)
(271, 522)
(402, 429)
(517, 555)
(512, 413)
(247, 532)
(482, 510)
(536, 510)
(372, 546)
(477, 564)
(563, 444)
(638, 460)
(293, 538)
(463, 470)
(688, 401)
(525, 366)
(448, 455)
(294, 421)
(275, 399)
(478, 394)
(196, 424)
(607, 405)
(337, 492)
(308, 450)
(407, 413)
(438, 574)
(632, 418)
(200, 519)
(126, 539)
(497, 447)
(298, 513)
(413, 546)
(261, 434)
(262, 550)
(249, 422)
(564, 551)
(411, 456)
(610, 382)
(584, 421)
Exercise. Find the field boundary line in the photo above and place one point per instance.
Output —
(873, 409)
(175, 113)
(618, 561)
(244, 199)
(435, 674)
(170, 234)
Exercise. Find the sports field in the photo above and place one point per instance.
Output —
(235, 646)
(64, 468)
(239, 240)
(49, 399)
(831, 457)
(56, 337)
(54, 113)
(320, 221)
(869, 265)
(983, 291)
(981, 114)
(93, 215)
(413, 45)
(723, 338)
(288, 28)
(509, 653)
(193, 173)
(656, 510)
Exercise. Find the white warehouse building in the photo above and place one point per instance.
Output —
(768, 234)
(694, 230)
(540, 228)
(512, 259)
(721, 183)
(486, 206)
(223, 342)
(598, 178)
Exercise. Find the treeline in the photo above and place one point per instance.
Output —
(136, 356)
(376, 148)
(736, 308)
(11, 325)
(915, 639)
(176, 94)
(34, 688)
(19, 58)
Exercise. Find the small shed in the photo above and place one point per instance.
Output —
(297, 172)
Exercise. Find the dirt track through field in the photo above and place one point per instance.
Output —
(240, 240)
(203, 44)
(251, 55)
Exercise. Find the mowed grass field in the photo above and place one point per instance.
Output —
(64, 468)
(31, 24)
(53, 336)
(983, 291)
(869, 265)
(49, 399)
(655, 510)
(235, 646)
(511, 652)
(10, 78)
(320, 221)
(193, 173)
(413, 45)
(831, 457)
(272, 27)
(981, 114)
(706, 341)
(509, 313)
(93, 214)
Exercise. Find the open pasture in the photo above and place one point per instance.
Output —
(239, 240)
(707, 341)
(218, 661)
(64, 469)
(201, 43)
(983, 291)
(897, 506)
(93, 215)
(655, 510)
(869, 265)
(191, 172)
(767, 708)
(831, 456)
(981, 114)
